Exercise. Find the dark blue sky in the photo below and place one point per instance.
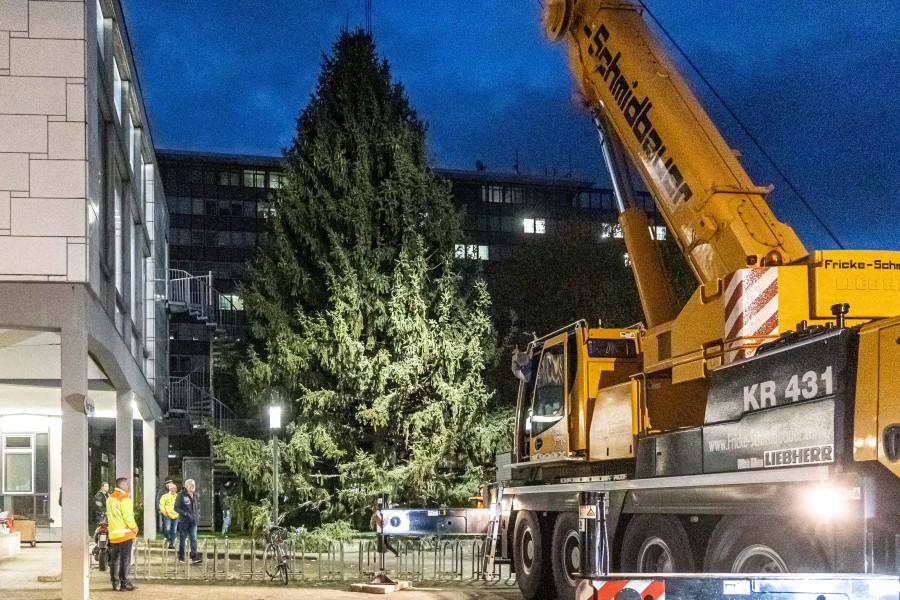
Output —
(818, 83)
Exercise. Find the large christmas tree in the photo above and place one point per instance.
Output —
(357, 309)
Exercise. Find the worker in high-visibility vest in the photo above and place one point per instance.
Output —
(122, 531)
(169, 516)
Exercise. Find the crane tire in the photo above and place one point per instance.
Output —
(656, 544)
(565, 555)
(757, 544)
(531, 553)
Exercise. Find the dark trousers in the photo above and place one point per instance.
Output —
(119, 561)
(187, 529)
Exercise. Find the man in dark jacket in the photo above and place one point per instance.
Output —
(187, 505)
(100, 503)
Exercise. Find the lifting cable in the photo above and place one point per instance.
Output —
(734, 115)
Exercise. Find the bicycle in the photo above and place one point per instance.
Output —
(275, 558)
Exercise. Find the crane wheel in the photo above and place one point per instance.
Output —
(566, 555)
(656, 544)
(755, 544)
(531, 552)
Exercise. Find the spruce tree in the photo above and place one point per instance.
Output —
(357, 308)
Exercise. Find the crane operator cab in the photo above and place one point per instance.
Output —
(577, 401)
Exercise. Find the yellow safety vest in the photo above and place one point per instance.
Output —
(120, 517)
(167, 505)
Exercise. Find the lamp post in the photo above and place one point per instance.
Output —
(274, 426)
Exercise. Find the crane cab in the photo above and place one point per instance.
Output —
(575, 385)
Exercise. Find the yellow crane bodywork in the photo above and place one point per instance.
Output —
(736, 247)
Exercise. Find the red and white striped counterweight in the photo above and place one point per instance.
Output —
(751, 311)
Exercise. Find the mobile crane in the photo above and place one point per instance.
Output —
(755, 429)
(726, 433)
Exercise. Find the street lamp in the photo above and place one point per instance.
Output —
(274, 426)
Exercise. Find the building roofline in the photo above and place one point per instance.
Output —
(516, 178)
(221, 158)
(457, 174)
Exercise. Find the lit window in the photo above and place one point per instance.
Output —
(132, 135)
(101, 33)
(627, 259)
(254, 178)
(608, 230)
(18, 464)
(264, 210)
(534, 225)
(471, 251)
(491, 193)
(117, 88)
(117, 219)
(276, 180)
(658, 232)
(231, 302)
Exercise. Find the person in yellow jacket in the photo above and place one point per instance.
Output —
(169, 516)
(122, 531)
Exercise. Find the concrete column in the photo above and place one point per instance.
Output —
(148, 455)
(162, 457)
(74, 389)
(125, 435)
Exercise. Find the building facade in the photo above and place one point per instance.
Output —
(83, 259)
(218, 204)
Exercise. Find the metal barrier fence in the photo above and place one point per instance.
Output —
(433, 559)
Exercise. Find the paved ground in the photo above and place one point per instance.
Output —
(19, 581)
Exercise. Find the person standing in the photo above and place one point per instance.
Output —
(163, 490)
(122, 531)
(100, 499)
(169, 516)
(225, 502)
(187, 505)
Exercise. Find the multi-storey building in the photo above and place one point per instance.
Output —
(218, 204)
(502, 210)
(83, 222)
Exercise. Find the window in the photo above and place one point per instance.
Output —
(491, 193)
(534, 225)
(117, 88)
(117, 219)
(549, 390)
(471, 251)
(609, 348)
(658, 232)
(264, 210)
(230, 178)
(610, 230)
(101, 30)
(254, 178)
(132, 134)
(276, 180)
(231, 302)
(18, 464)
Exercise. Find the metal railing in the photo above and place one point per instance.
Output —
(434, 559)
(196, 295)
(188, 396)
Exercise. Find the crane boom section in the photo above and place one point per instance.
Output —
(719, 217)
